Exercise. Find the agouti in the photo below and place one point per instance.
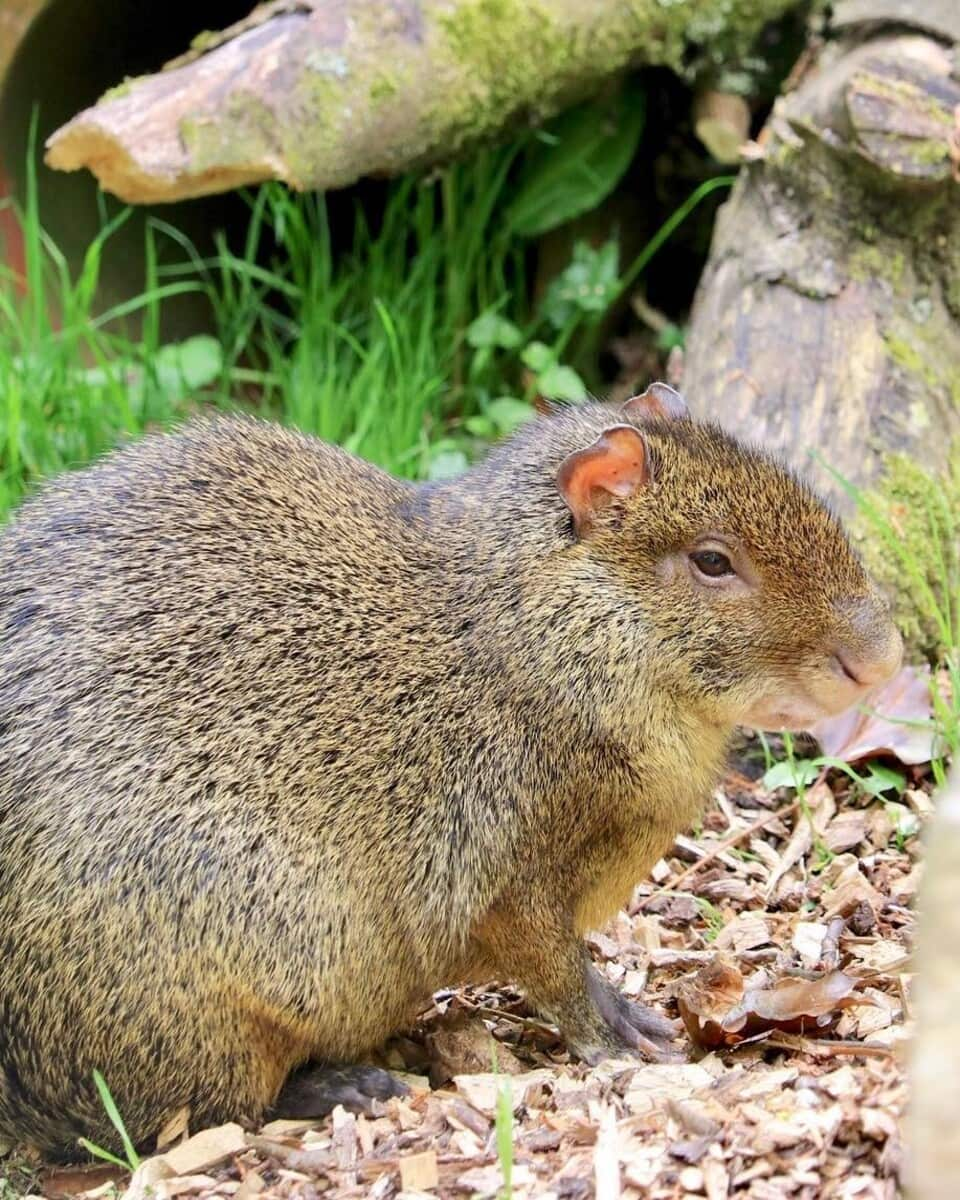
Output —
(286, 744)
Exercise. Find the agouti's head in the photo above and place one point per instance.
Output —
(751, 598)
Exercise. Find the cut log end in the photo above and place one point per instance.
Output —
(83, 145)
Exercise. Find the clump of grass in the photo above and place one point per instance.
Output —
(367, 347)
(66, 392)
(414, 345)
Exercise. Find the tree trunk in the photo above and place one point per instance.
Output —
(828, 317)
(933, 1144)
(321, 92)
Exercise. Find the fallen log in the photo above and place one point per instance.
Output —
(321, 92)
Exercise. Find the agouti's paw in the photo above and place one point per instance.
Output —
(317, 1090)
(633, 1026)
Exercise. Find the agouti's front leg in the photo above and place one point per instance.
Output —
(545, 957)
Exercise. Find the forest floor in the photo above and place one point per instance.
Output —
(814, 889)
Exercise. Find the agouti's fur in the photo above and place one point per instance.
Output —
(286, 744)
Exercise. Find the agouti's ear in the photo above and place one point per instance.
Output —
(659, 400)
(614, 467)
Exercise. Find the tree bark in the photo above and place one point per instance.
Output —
(321, 92)
(828, 316)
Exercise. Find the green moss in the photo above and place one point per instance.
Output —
(495, 85)
(382, 88)
(206, 39)
(908, 357)
(242, 134)
(553, 61)
(908, 529)
(545, 50)
(869, 262)
(122, 89)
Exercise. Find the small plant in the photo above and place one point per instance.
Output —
(504, 1135)
(877, 782)
(132, 1160)
(713, 917)
(503, 1128)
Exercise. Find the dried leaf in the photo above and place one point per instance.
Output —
(652, 1087)
(745, 932)
(71, 1181)
(808, 938)
(880, 728)
(846, 830)
(718, 1010)
(463, 1045)
(822, 806)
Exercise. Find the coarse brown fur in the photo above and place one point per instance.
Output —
(286, 744)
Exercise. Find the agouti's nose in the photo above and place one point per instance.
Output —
(872, 651)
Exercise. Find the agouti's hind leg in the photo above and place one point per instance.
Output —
(536, 948)
(635, 1023)
(315, 1091)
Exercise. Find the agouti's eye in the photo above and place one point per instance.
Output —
(712, 563)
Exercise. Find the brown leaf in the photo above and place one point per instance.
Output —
(877, 728)
(719, 1010)
(463, 1045)
(70, 1181)
(482, 1090)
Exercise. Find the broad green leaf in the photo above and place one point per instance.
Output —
(588, 285)
(794, 774)
(490, 329)
(509, 414)
(880, 779)
(578, 163)
(481, 427)
(188, 365)
(561, 383)
(538, 356)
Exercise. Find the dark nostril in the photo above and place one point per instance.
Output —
(847, 666)
(870, 650)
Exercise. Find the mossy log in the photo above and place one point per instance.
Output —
(933, 1145)
(828, 317)
(320, 92)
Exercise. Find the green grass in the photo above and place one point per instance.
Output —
(131, 1159)
(365, 348)
(61, 402)
(411, 338)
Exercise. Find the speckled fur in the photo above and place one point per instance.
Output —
(285, 744)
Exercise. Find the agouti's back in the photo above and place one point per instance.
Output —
(285, 743)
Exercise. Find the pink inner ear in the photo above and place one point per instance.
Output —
(659, 400)
(615, 466)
